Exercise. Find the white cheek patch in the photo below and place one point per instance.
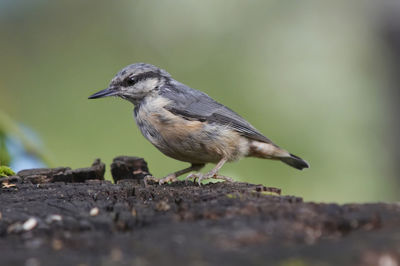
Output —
(147, 84)
(154, 104)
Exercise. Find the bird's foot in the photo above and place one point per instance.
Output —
(167, 179)
(160, 181)
(206, 176)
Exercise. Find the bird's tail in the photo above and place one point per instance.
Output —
(295, 161)
(272, 151)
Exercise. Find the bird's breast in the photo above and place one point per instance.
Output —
(158, 124)
(187, 140)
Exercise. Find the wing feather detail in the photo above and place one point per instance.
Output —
(192, 104)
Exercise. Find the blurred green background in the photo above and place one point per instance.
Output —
(313, 76)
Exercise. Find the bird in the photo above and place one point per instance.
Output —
(188, 125)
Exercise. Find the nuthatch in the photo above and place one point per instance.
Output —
(188, 125)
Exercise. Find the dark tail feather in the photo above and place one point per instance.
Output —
(295, 162)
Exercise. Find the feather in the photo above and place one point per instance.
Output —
(192, 104)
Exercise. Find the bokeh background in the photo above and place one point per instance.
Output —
(320, 78)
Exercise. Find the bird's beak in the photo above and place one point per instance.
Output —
(104, 93)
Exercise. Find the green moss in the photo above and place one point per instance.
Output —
(266, 193)
(6, 171)
(231, 196)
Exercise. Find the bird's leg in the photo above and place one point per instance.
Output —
(212, 174)
(173, 177)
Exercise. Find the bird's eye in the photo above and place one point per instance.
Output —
(131, 81)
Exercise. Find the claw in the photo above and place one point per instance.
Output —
(169, 178)
(203, 177)
(194, 176)
(149, 178)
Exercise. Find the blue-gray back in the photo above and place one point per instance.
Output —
(196, 105)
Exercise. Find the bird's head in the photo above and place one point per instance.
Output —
(135, 82)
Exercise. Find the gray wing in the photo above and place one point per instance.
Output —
(196, 105)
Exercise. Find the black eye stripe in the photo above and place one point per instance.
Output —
(132, 80)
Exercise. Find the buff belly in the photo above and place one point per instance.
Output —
(188, 140)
